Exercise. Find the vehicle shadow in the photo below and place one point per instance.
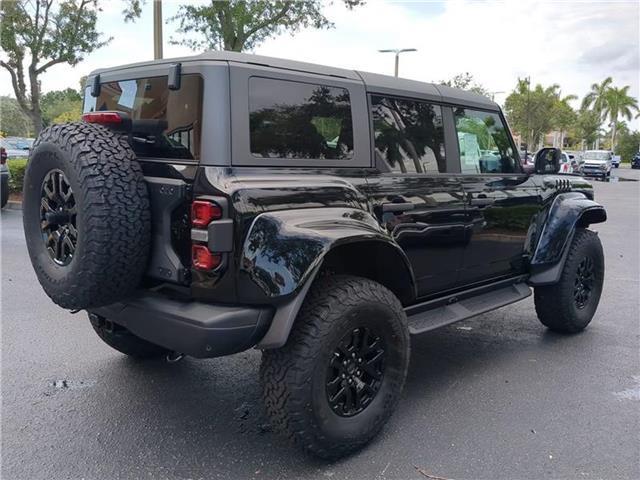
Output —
(207, 416)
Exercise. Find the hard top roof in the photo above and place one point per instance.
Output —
(374, 82)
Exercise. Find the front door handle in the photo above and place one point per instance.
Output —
(397, 207)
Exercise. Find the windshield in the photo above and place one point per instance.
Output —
(595, 155)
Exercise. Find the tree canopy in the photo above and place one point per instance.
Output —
(465, 81)
(239, 25)
(35, 35)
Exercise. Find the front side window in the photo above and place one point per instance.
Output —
(166, 123)
(295, 120)
(409, 135)
(484, 143)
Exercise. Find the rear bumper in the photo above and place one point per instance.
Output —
(197, 329)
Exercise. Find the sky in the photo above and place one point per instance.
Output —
(571, 43)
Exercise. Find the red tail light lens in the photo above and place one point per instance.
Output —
(203, 213)
(103, 118)
(203, 259)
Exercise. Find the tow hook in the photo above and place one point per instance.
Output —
(174, 357)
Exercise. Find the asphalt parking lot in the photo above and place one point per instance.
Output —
(496, 397)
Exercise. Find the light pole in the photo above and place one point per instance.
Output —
(397, 51)
(157, 29)
(493, 95)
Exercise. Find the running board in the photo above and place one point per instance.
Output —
(438, 313)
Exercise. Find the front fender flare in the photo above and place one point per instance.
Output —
(567, 212)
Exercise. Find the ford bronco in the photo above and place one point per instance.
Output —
(212, 204)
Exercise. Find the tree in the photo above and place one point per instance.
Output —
(618, 103)
(587, 127)
(596, 98)
(239, 25)
(628, 144)
(35, 35)
(564, 116)
(13, 121)
(58, 102)
(465, 81)
(530, 111)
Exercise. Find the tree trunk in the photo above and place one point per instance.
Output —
(613, 137)
(36, 119)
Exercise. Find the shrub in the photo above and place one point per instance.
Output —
(17, 167)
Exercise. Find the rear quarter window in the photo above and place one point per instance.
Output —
(295, 120)
(166, 123)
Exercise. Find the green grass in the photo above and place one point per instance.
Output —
(17, 167)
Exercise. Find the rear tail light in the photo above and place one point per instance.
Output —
(203, 213)
(203, 259)
(104, 118)
(207, 216)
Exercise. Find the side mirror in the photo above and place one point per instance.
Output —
(547, 161)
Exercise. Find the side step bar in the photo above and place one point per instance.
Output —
(461, 306)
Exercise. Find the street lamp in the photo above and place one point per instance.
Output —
(397, 51)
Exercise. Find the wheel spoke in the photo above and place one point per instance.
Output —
(339, 394)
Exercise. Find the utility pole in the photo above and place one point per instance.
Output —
(157, 29)
(529, 135)
(397, 51)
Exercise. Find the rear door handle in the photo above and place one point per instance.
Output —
(397, 207)
(482, 202)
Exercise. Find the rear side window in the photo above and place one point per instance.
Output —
(484, 143)
(299, 120)
(409, 135)
(166, 123)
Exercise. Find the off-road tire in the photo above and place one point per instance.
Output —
(294, 376)
(556, 305)
(113, 217)
(122, 340)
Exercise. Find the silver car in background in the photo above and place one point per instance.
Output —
(597, 163)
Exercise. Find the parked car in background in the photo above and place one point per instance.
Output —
(615, 161)
(4, 178)
(597, 163)
(16, 147)
(568, 163)
(635, 161)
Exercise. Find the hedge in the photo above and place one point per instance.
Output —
(17, 167)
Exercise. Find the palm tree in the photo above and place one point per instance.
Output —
(597, 98)
(618, 103)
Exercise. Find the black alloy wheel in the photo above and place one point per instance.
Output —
(355, 372)
(58, 214)
(583, 284)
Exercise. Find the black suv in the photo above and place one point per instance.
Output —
(211, 204)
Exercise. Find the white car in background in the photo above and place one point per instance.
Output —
(568, 163)
(597, 163)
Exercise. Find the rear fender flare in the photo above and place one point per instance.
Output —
(284, 251)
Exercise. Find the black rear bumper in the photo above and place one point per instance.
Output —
(197, 329)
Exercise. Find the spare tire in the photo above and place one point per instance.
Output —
(86, 215)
